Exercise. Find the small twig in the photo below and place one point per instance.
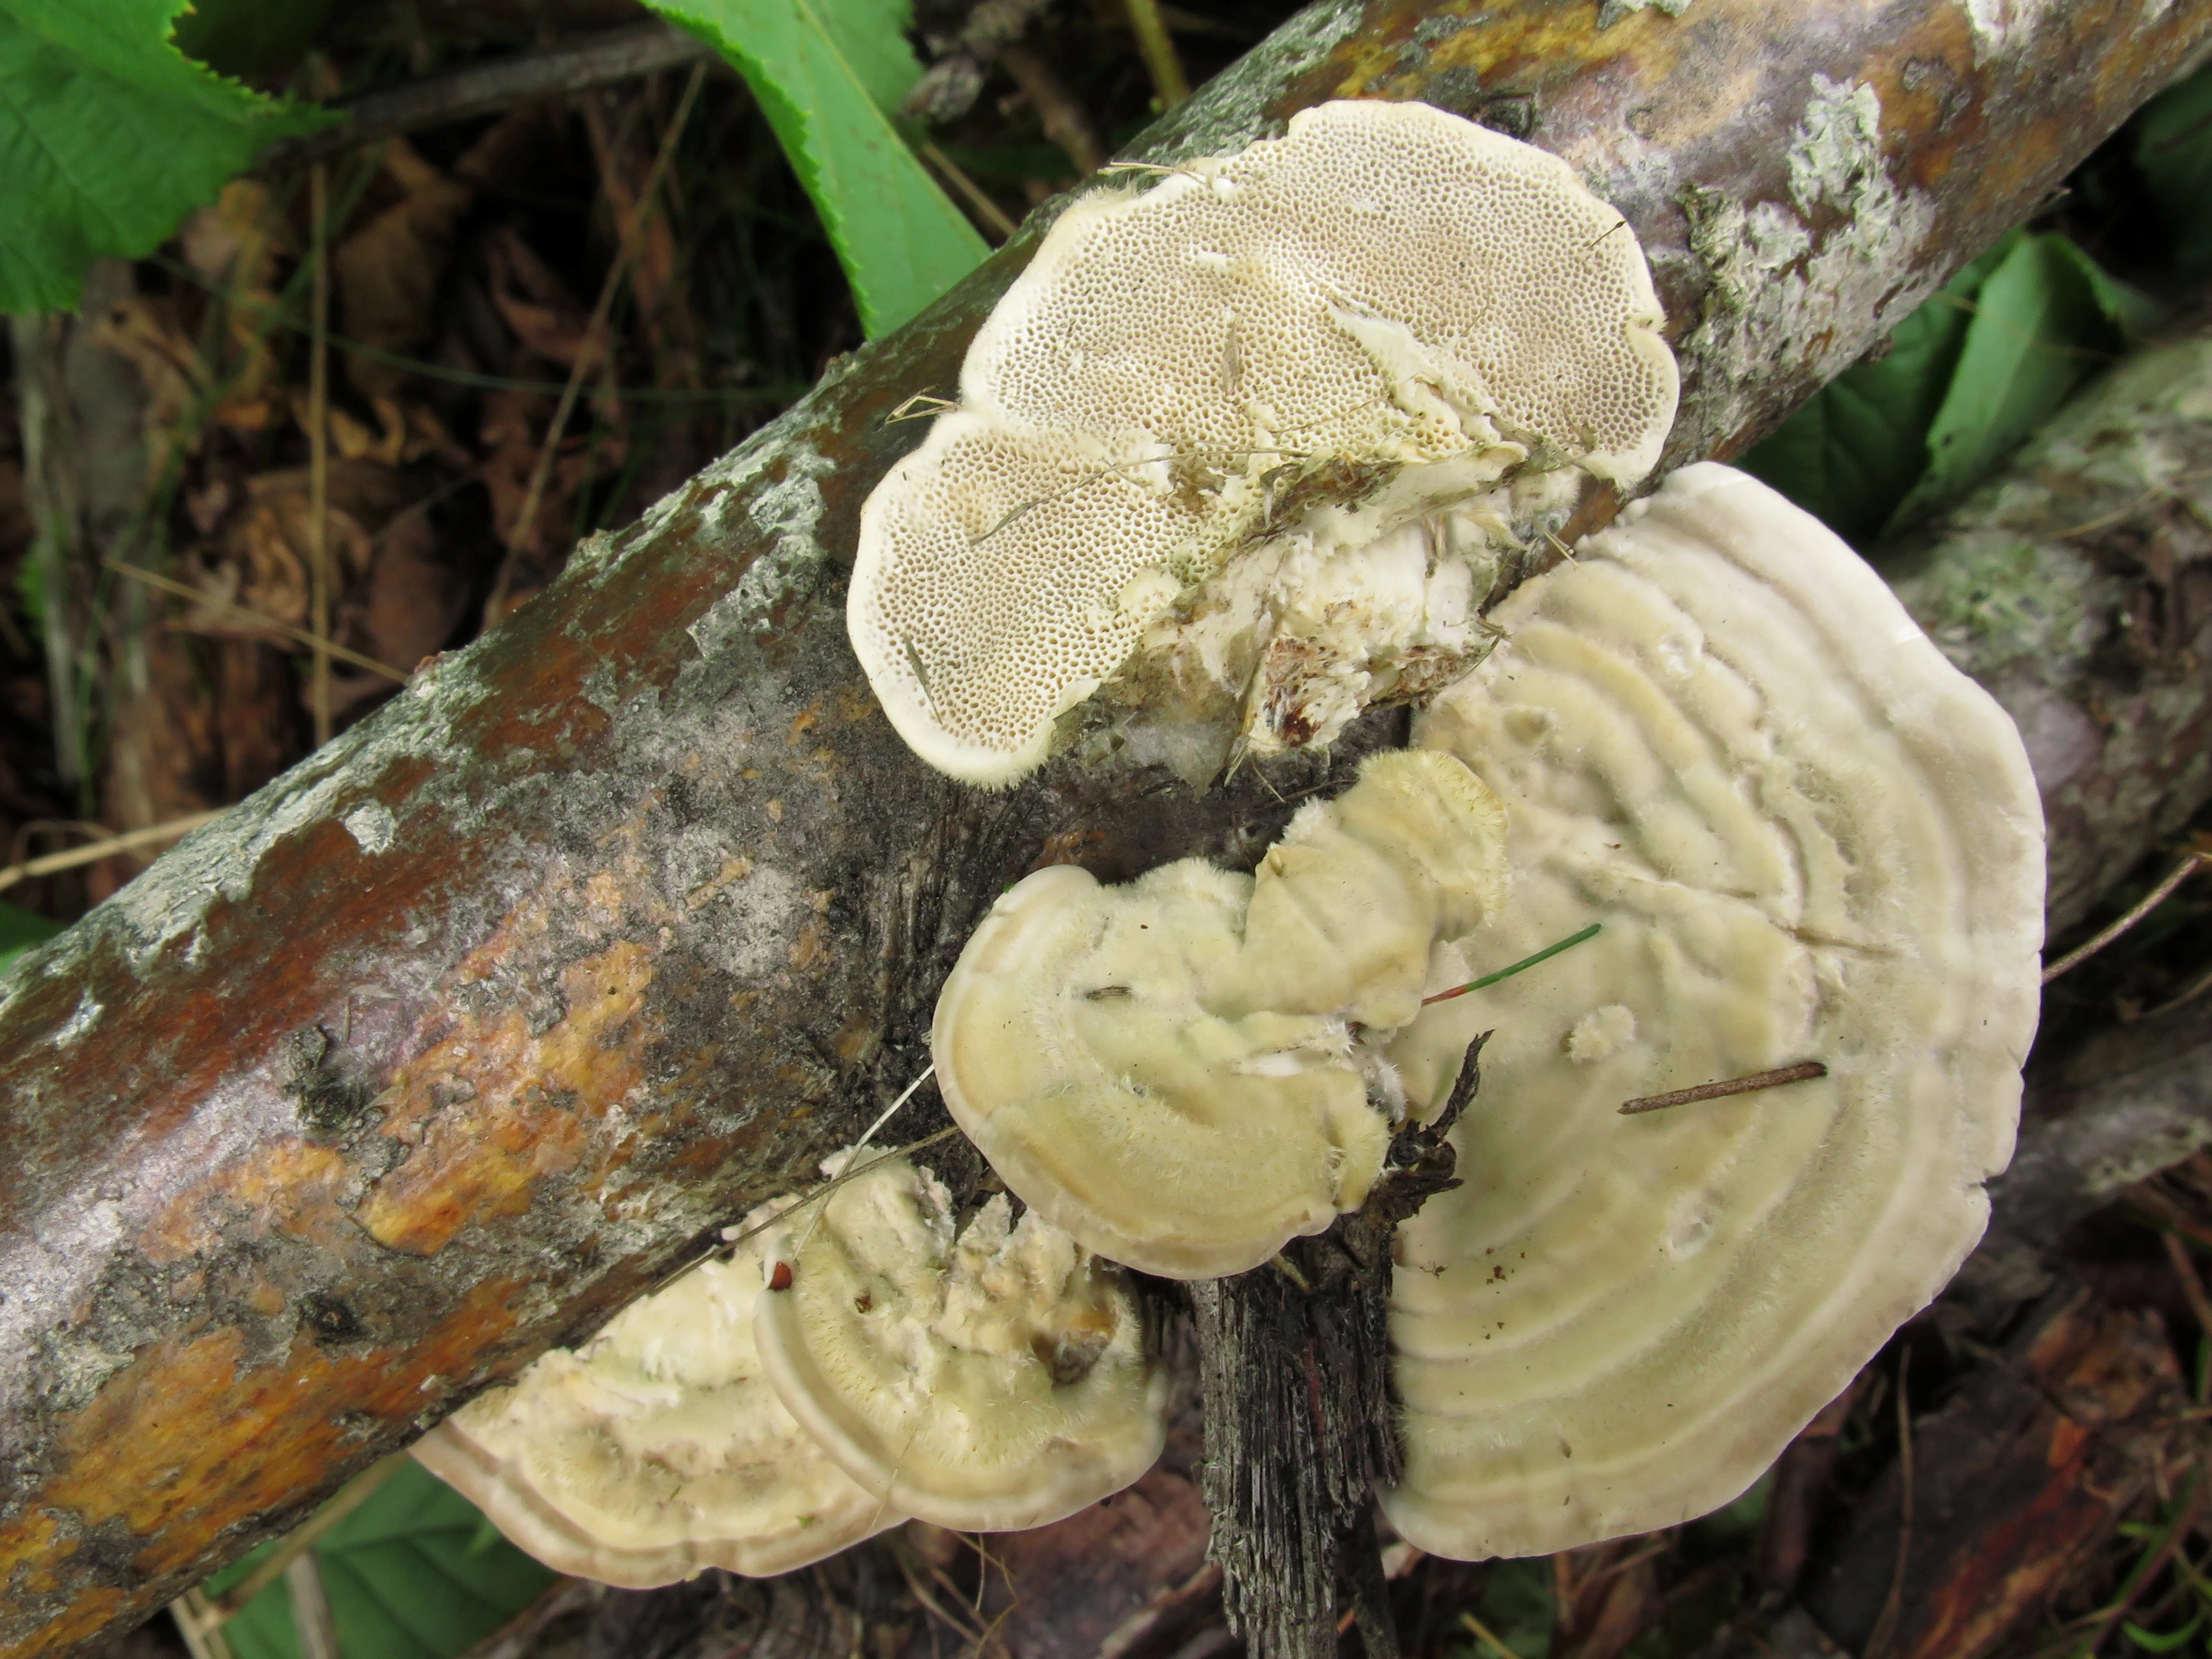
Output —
(1157, 48)
(869, 1135)
(594, 341)
(2139, 1579)
(1803, 1072)
(993, 217)
(254, 618)
(2188, 993)
(2190, 863)
(100, 849)
(348, 1498)
(2192, 1291)
(1885, 1627)
(599, 60)
(1065, 121)
(1488, 979)
(319, 452)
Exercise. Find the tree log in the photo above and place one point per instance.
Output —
(2077, 587)
(446, 1044)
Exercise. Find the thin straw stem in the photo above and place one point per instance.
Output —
(2190, 863)
(318, 452)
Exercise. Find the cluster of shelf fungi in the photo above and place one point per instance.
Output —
(1538, 1258)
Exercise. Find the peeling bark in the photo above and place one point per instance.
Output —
(446, 1043)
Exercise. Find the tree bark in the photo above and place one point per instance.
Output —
(2077, 585)
(446, 1044)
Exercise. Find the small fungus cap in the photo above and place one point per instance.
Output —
(1169, 1070)
(1382, 267)
(991, 1381)
(1385, 287)
(657, 1449)
(1807, 836)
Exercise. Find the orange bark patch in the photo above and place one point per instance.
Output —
(290, 1186)
(493, 1106)
(181, 1445)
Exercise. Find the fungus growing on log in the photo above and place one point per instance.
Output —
(657, 1449)
(987, 1382)
(1185, 1073)
(1390, 328)
(1809, 838)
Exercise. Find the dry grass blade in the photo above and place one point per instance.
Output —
(2189, 865)
(1157, 47)
(1885, 1627)
(255, 619)
(993, 217)
(595, 344)
(153, 835)
(318, 449)
(2192, 1290)
(349, 1498)
(1482, 1633)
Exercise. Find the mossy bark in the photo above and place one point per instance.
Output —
(446, 1043)
(2077, 585)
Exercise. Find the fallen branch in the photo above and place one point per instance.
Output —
(455, 1037)
(600, 60)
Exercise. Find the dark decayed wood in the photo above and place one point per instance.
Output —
(452, 1039)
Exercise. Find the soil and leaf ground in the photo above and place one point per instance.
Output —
(542, 317)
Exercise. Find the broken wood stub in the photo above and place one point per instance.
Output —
(1301, 1424)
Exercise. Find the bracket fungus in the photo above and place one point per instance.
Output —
(1184, 1073)
(657, 1449)
(989, 1381)
(1809, 838)
(1254, 437)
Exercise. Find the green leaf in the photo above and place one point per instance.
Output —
(2044, 321)
(20, 929)
(249, 37)
(2173, 153)
(1860, 443)
(416, 1572)
(828, 73)
(108, 135)
(2160, 1642)
(1516, 1605)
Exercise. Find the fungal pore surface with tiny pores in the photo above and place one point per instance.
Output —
(1244, 447)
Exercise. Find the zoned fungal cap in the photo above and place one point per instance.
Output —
(1808, 837)
(988, 1381)
(657, 1449)
(1169, 1070)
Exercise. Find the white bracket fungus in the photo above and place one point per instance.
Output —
(991, 1382)
(1809, 838)
(1183, 1072)
(1186, 423)
(657, 1449)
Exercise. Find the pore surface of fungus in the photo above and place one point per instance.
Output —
(656, 1449)
(988, 1380)
(1807, 838)
(1262, 356)
(1183, 1072)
